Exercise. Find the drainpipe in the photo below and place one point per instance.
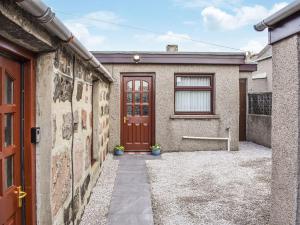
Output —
(47, 18)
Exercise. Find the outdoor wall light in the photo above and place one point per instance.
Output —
(136, 58)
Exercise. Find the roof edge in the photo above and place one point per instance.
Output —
(278, 16)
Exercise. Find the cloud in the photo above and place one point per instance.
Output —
(168, 38)
(205, 3)
(182, 40)
(215, 18)
(254, 46)
(90, 41)
(87, 27)
(104, 20)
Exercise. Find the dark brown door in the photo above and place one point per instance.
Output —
(137, 113)
(10, 211)
(243, 108)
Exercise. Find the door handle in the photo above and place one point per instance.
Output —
(20, 195)
(125, 119)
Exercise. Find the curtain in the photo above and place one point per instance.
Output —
(192, 101)
(189, 81)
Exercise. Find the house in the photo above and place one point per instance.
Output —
(259, 87)
(176, 98)
(284, 36)
(54, 117)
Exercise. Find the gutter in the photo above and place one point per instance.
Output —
(47, 18)
(278, 16)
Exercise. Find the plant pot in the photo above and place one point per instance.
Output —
(119, 152)
(156, 151)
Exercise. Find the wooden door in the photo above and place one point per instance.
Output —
(243, 109)
(137, 115)
(10, 212)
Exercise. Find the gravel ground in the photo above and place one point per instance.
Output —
(212, 188)
(97, 209)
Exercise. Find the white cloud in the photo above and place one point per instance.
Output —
(86, 27)
(103, 20)
(255, 45)
(90, 41)
(184, 42)
(168, 38)
(216, 18)
(205, 3)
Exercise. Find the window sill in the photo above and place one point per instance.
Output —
(195, 117)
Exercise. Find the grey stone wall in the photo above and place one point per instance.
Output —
(168, 131)
(285, 133)
(68, 90)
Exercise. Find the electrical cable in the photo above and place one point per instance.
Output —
(154, 32)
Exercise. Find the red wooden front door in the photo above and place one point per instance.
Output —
(10, 211)
(137, 113)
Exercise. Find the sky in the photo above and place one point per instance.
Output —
(149, 25)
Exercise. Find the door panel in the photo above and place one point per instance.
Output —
(243, 108)
(137, 113)
(9, 141)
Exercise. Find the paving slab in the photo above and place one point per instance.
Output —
(131, 198)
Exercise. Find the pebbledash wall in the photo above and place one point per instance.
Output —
(259, 126)
(72, 110)
(170, 128)
(71, 133)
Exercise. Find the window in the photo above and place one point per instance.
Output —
(193, 94)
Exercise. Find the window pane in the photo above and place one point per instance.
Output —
(193, 81)
(145, 86)
(193, 101)
(137, 86)
(137, 97)
(8, 90)
(129, 110)
(137, 110)
(8, 130)
(129, 97)
(145, 97)
(9, 171)
(145, 110)
(129, 86)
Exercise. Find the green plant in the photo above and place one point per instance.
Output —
(120, 148)
(155, 146)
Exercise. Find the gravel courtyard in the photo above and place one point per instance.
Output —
(212, 188)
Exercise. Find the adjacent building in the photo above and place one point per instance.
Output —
(180, 100)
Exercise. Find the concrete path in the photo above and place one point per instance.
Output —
(131, 198)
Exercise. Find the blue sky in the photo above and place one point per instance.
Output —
(223, 22)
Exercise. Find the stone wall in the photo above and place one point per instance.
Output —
(79, 137)
(168, 129)
(71, 110)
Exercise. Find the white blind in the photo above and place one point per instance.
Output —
(192, 101)
(193, 81)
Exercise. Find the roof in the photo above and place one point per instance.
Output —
(215, 58)
(266, 53)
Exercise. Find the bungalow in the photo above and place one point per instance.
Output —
(183, 101)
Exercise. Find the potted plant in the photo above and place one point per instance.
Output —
(155, 149)
(119, 150)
